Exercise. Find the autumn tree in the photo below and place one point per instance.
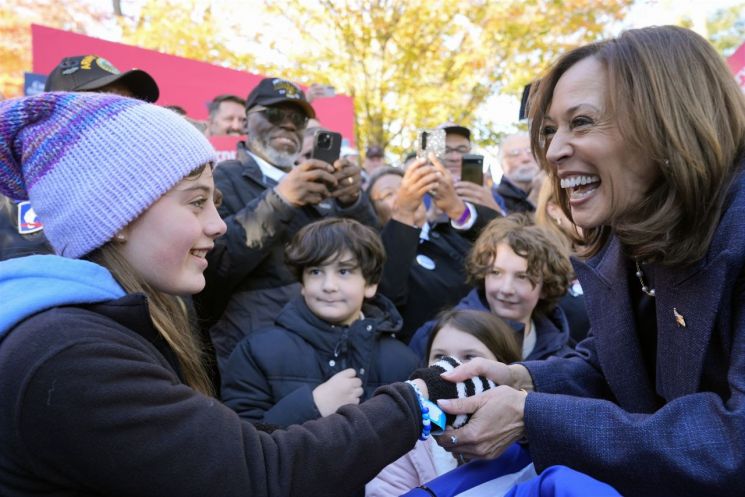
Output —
(16, 17)
(726, 28)
(199, 30)
(421, 62)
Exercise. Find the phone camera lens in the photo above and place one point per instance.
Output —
(324, 141)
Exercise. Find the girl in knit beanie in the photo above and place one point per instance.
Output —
(101, 382)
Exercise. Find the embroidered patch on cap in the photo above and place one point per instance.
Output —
(107, 66)
(28, 222)
(85, 62)
(286, 88)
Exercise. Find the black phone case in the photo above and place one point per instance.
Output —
(328, 154)
(472, 169)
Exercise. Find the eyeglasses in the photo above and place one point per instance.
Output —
(277, 116)
(515, 152)
(462, 149)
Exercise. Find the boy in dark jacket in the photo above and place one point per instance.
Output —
(520, 274)
(331, 346)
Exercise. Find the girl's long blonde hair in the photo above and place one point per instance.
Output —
(169, 313)
(169, 316)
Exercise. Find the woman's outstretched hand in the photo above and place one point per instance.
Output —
(497, 414)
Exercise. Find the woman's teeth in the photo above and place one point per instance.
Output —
(575, 181)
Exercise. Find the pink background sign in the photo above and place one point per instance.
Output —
(736, 63)
(184, 82)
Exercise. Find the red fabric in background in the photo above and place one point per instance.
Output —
(184, 82)
(736, 63)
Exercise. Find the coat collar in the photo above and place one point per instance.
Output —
(604, 280)
(251, 169)
(253, 173)
(694, 293)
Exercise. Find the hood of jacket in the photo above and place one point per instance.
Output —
(552, 329)
(29, 285)
(347, 343)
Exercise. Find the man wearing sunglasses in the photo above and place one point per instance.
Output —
(269, 193)
(519, 169)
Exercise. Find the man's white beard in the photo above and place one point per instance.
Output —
(277, 158)
(523, 174)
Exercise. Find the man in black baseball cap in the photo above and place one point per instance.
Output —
(269, 193)
(273, 91)
(374, 158)
(94, 73)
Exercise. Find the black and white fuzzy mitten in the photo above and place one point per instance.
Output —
(440, 388)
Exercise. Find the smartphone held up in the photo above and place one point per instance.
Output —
(431, 141)
(326, 146)
(472, 168)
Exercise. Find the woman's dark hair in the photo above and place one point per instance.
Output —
(324, 241)
(379, 173)
(374, 178)
(673, 100)
(487, 328)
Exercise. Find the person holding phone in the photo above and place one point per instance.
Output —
(266, 200)
(424, 272)
(458, 146)
(103, 387)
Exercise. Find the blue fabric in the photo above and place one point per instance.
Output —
(560, 481)
(556, 481)
(499, 199)
(29, 285)
(475, 473)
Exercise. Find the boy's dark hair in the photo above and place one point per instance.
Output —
(547, 262)
(214, 104)
(324, 241)
(487, 328)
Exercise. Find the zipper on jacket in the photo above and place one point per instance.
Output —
(341, 348)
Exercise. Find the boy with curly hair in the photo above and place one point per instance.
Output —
(519, 274)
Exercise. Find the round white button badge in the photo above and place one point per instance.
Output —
(425, 262)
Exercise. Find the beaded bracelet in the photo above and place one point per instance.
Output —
(426, 423)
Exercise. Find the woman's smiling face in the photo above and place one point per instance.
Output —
(602, 176)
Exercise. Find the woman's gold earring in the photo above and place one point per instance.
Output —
(120, 238)
(558, 221)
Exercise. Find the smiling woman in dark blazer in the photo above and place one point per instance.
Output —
(643, 137)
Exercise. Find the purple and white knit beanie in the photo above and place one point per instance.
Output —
(90, 163)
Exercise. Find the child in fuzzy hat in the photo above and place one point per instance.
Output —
(102, 387)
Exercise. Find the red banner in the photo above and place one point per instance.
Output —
(226, 146)
(736, 64)
(188, 83)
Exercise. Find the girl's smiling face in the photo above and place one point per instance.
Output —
(168, 244)
(451, 341)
